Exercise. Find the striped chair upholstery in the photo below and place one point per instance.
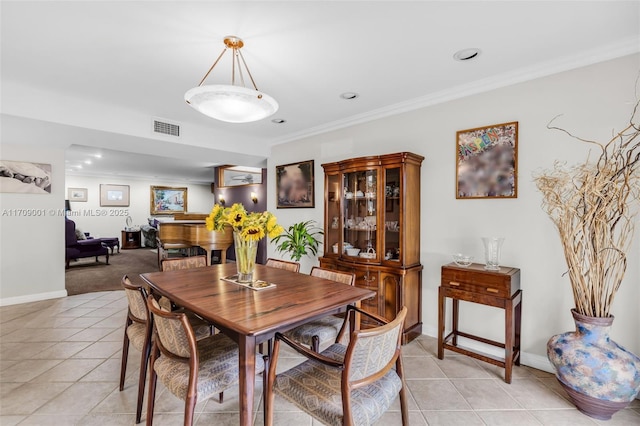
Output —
(315, 386)
(325, 329)
(137, 332)
(177, 264)
(191, 370)
(283, 264)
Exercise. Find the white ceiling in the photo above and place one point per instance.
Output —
(83, 160)
(140, 57)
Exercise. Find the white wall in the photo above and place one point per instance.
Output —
(199, 200)
(594, 100)
(32, 247)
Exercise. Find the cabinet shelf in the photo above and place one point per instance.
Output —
(361, 198)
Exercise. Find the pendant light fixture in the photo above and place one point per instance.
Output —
(232, 103)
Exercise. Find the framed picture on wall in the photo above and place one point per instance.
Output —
(114, 196)
(295, 185)
(168, 200)
(238, 176)
(487, 162)
(77, 194)
(25, 177)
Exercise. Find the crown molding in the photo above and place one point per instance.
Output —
(623, 47)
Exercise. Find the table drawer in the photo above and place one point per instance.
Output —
(479, 281)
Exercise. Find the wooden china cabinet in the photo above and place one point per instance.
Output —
(372, 228)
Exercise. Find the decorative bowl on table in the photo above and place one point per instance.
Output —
(462, 259)
(353, 251)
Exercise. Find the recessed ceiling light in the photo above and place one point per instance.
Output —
(279, 120)
(78, 166)
(97, 155)
(87, 161)
(466, 54)
(349, 95)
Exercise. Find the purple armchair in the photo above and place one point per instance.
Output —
(84, 248)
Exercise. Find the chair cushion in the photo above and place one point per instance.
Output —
(326, 328)
(315, 388)
(136, 333)
(218, 356)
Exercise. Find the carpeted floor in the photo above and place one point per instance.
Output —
(87, 276)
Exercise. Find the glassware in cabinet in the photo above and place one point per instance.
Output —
(392, 214)
(360, 210)
(333, 229)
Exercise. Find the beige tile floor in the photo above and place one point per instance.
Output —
(60, 361)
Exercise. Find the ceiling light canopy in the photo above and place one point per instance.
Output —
(232, 103)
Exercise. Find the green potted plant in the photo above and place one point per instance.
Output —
(593, 205)
(300, 239)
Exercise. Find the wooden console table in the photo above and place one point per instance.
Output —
(500, 289)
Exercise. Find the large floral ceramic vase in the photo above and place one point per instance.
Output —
(246, 251)
(600, 376)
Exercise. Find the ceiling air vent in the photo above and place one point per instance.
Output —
(163, 127)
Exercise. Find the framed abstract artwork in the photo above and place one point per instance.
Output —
(487, 162)
(114, 195)
(168, 200)
(295, 185)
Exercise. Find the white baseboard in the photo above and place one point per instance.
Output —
(32, 297)
(531, 360)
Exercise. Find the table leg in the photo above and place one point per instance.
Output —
(247, 365)
(441, 318)
(454, 313)
(508, 341)
(518, 321)
(208, 256)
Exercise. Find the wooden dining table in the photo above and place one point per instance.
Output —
(251, 317)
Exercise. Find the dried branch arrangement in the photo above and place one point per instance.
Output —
(593, 205)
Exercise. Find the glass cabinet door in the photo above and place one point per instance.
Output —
(360, 214)
(392, 223)
(334, 228)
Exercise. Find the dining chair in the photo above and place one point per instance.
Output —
(344, 385)
(176, 264)
(283, 264)
(138, 332)
(325, 329)
(193, 370)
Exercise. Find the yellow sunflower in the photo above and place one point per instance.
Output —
(237, 215)
(253, 232)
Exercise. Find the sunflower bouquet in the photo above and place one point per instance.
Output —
(250, 226)
(248, 230)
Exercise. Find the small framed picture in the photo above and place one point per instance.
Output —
(114, 195)
(168, 200)
(77, 194)
(295, 185)
(487, 162)
(238, 176)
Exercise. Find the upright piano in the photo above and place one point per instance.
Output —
(189, 230)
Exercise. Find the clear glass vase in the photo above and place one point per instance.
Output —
(246, 252)
(492, 247)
